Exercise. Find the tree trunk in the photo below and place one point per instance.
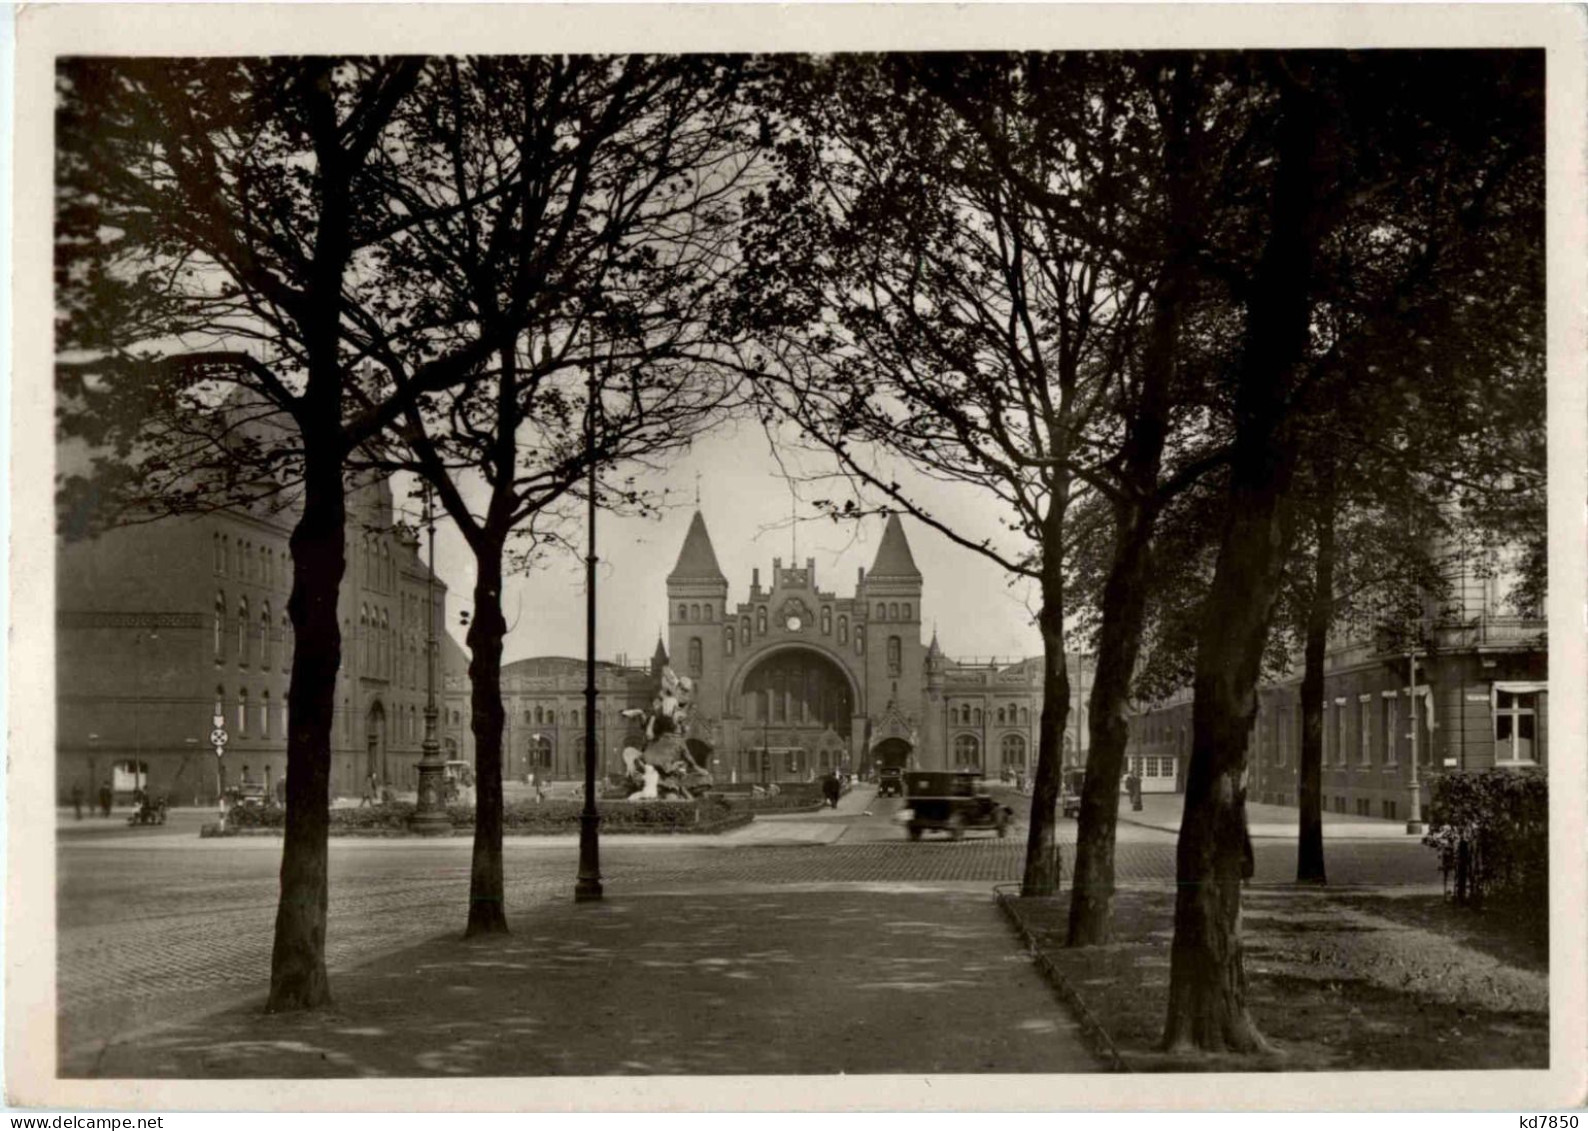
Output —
(298, 977)
(1041, 876)
(487, 897)
(1119, 641)
(1207, 980)
(1124, 603)
(1309, 844)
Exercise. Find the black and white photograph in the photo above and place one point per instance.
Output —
(1016, 559)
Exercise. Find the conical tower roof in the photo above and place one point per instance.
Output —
(893, 556)
(697, 561)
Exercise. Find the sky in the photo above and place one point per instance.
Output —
(746, 501)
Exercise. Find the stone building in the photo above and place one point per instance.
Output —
(1481, 701)
(161, 627)
(797, 677)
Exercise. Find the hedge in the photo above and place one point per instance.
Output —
(524, 818)
(1491, 830)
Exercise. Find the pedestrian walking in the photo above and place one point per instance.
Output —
(1133, 788)
(831, 789)
(105, 797)
(77, 800)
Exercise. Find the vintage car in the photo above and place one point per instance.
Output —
(890, 782)
(952, 801)
(1070, 792)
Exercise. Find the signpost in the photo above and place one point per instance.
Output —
(218, 739)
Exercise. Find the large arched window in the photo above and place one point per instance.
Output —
(220, 625)
(696, 658)
(1014, 750)
(539, 750)
(895, 655)
(967, 752)
(242, 630)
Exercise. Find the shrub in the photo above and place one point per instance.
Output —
(1491, 830)
(703, 815)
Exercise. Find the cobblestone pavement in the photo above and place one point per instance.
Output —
(151, 932)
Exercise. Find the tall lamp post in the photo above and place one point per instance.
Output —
(1414, 818)
(588, 887)
(430, 814)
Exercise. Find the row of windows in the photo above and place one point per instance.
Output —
(547, 716)
(246, 561)
(728, 641)
(967, 751)
(966, 715)
(248, 714)
(252, 643)
(380, 569)
(1150, 766)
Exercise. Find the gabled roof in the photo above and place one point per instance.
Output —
(893, 556)
(697, 561)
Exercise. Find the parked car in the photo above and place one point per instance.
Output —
(1070, 792)
(952, 801)
(890, 782)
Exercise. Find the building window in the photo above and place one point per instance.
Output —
(385, 642)
(976, 716)
(967, 752)
(1364, 754)
(242, 631)
(1025, 716)
(895, 655)
(1390, 708)
(219, 558)
(760, 621)
(683, 612)
(744, 631)
(694, 612)
(860, 643)
(696, 657)
(264, 636)
(728, 640)
(1515, 726)
(1000, 716)
(893, 611)
(843, 630)
(1342, 733)
(707, 613)
(1014, 750)
(907, 610)
(827, 620)
(242, 712)
(540, 751)
(220, 704)
(882, 611)
(264, 714)
(220, 626)
(286, 643)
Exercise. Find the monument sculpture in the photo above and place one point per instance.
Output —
(666, 768)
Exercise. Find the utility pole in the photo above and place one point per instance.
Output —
(430, 814)
(588, 887)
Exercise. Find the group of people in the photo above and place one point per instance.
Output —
(106, 799)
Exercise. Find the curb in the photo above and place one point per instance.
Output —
(1097, 1037)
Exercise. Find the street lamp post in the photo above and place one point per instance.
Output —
(430, 814)
(1414, 818)
(588, 887)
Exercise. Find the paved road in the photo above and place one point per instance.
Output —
(157, 924)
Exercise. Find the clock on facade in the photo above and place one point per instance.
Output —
(793, 623)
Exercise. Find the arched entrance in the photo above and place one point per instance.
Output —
(891, 753)
(793, 702)
(375, 744)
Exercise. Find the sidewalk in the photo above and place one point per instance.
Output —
(1276, 822)
(730, 980)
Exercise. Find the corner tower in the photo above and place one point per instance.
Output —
(890, 595)
(697, 598)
